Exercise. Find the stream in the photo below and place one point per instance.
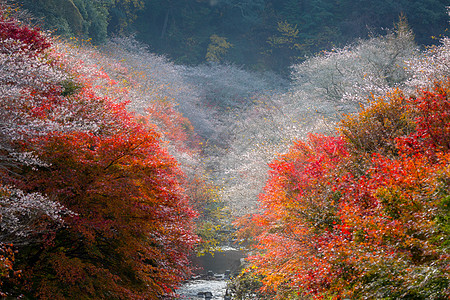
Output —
(194, 288)
(212, 275)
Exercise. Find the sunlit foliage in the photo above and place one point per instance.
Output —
(217, 48)
(105, 153)
(323, 88)
(89, 195)
(361, 215)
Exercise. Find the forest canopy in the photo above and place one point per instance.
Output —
(264, 34)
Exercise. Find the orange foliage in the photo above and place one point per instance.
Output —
(364, 214)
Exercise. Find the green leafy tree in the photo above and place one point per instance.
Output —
(122, 14)
(217, 48)
(72, 18)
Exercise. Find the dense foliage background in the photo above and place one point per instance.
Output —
(260, 34)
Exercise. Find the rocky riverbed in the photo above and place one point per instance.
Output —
(195, 289)
(212, 275)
